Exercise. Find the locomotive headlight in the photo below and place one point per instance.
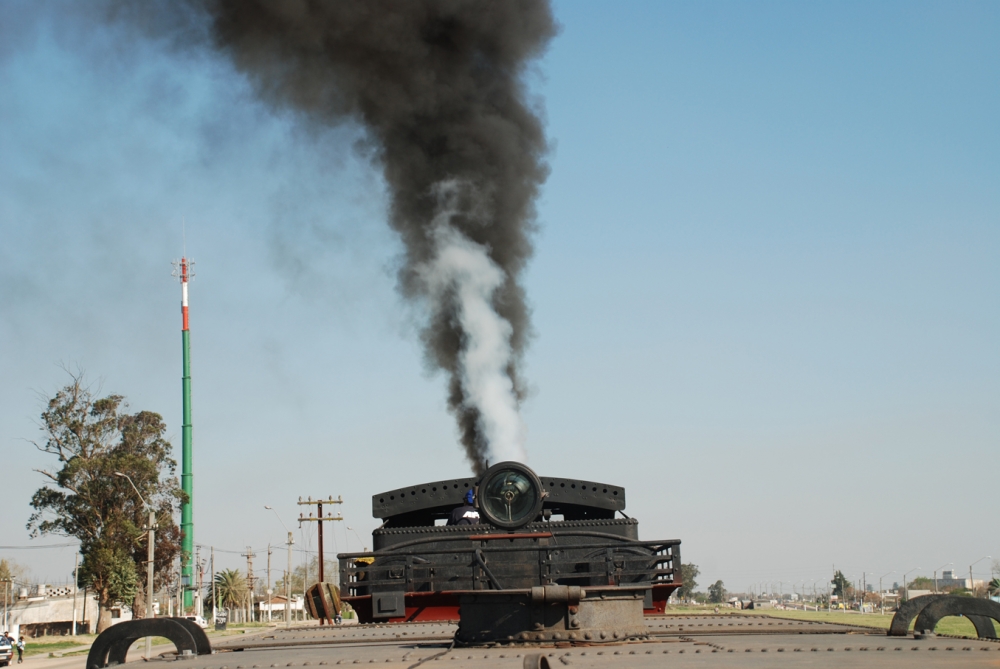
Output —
(510, 495)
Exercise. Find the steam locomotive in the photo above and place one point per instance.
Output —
(539, 536)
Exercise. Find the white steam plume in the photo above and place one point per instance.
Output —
(462, 276)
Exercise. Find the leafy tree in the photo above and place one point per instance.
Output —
(994, 587)
(921, 583)
(92, 439)
(717, 592)
(840, 584)
(689, 572)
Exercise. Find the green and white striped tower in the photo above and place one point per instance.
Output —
(187, 473)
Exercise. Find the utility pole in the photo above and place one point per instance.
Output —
(179, 611)
(215, 602)
(268, 582)
(320, 519)
(76, 579)
(305, 580)
(201, 570)
(250, 555)
(829, 594)
(972, 588)
(288, 584)
(288, 574)
(150, 553)
(86, 625)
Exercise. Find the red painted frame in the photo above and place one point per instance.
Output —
(443, 606)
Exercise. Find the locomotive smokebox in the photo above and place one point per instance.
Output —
(549, 561)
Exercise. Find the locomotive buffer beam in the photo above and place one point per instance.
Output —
(552, 614)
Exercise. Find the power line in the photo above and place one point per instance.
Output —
(29, 548)
(223, 550)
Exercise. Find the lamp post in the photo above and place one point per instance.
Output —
(288, 578)
(881, 592)
(935, 575)
(971, 584)
(906, 590)
(149, 559)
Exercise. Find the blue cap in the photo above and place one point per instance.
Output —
(469, 496)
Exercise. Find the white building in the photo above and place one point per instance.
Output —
(274, 608)
(51, 611)
(948, 580)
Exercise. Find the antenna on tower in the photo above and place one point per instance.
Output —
(183, 269)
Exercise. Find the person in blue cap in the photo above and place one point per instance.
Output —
(465, 514)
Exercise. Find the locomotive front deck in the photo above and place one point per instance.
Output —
(551, 577)
(566, 534)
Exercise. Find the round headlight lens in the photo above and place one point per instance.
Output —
(510, 495)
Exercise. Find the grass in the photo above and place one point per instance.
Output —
(43, 648)
(952, 625)
(252, 625)
(82, 642)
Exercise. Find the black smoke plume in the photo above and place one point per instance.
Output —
(439, 86)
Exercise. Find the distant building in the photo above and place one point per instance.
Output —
(276, 607)
(949, 581)
(42, 610)
(761, 604)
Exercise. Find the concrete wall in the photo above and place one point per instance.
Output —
(55, 614)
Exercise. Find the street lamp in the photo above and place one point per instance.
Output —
(935, 574)
(971, 584)
(288, 578)
(149, 560)
(881, 592)
(906, 590)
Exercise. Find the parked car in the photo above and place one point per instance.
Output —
(198, 620)
(6, 652)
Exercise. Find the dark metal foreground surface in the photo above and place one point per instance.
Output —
(691, 641)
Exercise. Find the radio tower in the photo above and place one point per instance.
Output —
(182, 270)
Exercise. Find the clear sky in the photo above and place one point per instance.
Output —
(764, 290)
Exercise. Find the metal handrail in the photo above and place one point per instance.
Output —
(620, 576)
(654, 573)
(622, 541)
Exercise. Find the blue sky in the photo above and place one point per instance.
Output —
(764, 289)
